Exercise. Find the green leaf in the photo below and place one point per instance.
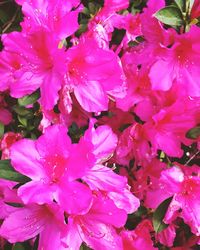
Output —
(193, 133)
(22, 120)
(180, 4)
(29, 99)
(18, 246)
(12, 204)
(170, 15)
(8, 173)
(159, 215)
(4, 17)
(1, 129)
(22, 111)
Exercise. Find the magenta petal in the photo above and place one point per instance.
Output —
(104, 210)
(104, 141)
(5, 116)
(102, 237)
(35, 192)
(172, 179)
(54, 141)
(63, 28)
(91, 96)
(103, 178)
(50, 237)
(49, 90)
(23, 224)
(125, 200)
(161, 75)
(25, 159)
(73, 238)
(74, 197)
(25, 83)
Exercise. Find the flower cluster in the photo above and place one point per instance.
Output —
(99, 126)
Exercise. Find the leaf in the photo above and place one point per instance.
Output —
(170, 15)
(7, 172)
(180, 4)
(159, 215)
(193, 133)
(29, 99)
(22, 111)
(12, 204)
(1, 129)
(22, 120)
(18, 246)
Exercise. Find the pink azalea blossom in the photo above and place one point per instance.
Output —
(5, 114)
(167, 236)
(27, 222)
(93, 74)
(179, 64)
(195, 11)
(53, 164)
(61, 21)
(37, 63)
(167, 129)
(97, 228)
(6, 142)
(7, 195)
(102, 178)
(139, 238)
(185, 192)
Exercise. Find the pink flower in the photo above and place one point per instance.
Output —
(116, 118)
(179, 64)
(102, 178)
(93, 74)
(53, 164)
(167, 236)
(27, 222)
(133, 144)
(35, 61)
(5, 114)
(139, 238)
(7, 195)
(186, 194)
(97, 227)
(6, 142)
(195, 12)
(167, 129)
(55, 16)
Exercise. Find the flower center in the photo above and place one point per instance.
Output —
(55, 166)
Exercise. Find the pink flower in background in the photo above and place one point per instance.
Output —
(179, 64)
(167, 129)
(7, 195)
(5, 114)
(185, 190)
(27, 222)
(195, 12)
(93, 74)
(167, 236)
(139, 238)
(6, 142)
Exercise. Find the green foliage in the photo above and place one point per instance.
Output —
(1, 129)
(29, 99)
(8, 173)
(193, 133)
(159, 215)
(170, 15)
